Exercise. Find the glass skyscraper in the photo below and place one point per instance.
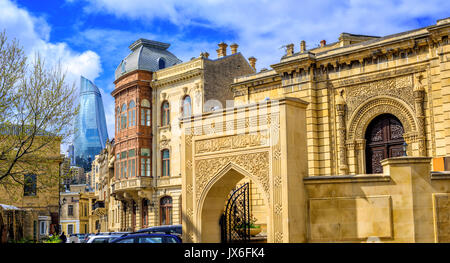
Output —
(90, 125)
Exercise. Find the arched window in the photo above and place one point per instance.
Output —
(132, 114)
(166, 210)
(165, 110)
(165, 162)
(145, 113)
(187, 109)
(161, 63)
(123, 117)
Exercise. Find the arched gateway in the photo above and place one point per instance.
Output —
(262, 143)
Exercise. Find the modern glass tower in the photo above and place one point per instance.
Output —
(90, 125)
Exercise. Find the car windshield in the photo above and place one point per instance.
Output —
(101, 240)
(171, 240)
(151, 239)
(126, 240)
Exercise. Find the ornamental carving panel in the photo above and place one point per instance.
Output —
(376, 158)
(377, 133)
(256, 164)
(239, 141)
(396, 130)
(360, 119)
(399, 87)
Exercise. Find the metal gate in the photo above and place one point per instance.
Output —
(235, 221)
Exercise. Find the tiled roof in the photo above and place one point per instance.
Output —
(145, 55)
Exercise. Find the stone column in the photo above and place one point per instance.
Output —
(360, 155)
(340, 110)
(139, 214)
(121, 216)
(419, 95)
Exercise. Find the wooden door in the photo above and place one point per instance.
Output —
(384, 139)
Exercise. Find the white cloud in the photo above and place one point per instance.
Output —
(262, 27)
(33, 33)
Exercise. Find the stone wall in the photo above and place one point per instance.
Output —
(405, 204)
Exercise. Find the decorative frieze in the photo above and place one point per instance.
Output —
(398, 87)
(239, 141)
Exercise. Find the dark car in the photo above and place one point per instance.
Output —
(167, 229)
(147, 238)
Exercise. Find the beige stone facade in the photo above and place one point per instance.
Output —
(350, 83)
(148, 194)
(40, 198)
(74, 211)
(376, 117)
(341, 143)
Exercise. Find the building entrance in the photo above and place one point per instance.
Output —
(384, 139)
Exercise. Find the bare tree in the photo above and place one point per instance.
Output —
(36, 112)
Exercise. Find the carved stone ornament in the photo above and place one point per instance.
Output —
(256, 164)
(239, 141)
(278, 237)
(364, 114)
(278, 209)
(189, 188)
(398, 87)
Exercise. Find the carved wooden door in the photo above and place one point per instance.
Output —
(384, 139)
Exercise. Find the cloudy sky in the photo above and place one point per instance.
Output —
(91, 37)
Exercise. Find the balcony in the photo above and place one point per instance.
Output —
(98, 208)
(131, 184)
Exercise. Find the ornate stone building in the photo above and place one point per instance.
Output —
(346, 142)
(153, 90)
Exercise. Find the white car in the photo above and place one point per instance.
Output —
(102, 238)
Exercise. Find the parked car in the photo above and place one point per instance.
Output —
(147, 238)
(167, 229)
(115, 234)
(103, 238)
(86, 237)
(76, 238)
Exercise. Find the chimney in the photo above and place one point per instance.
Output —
(204, 54)
(290, 49)
(323, 43)
(234, 48)
(302, 46)
(252, 61)
(222, 51)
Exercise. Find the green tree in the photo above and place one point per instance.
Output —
(36, 112)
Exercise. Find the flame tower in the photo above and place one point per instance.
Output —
(91, 133)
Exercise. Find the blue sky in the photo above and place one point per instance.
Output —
(91, 37)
